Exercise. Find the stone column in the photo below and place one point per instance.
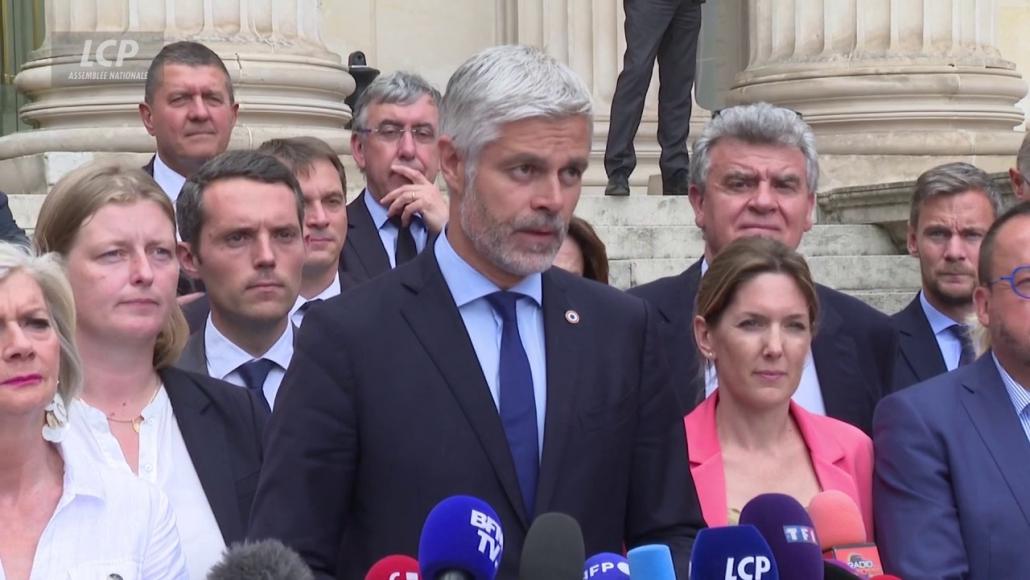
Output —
(891, 87)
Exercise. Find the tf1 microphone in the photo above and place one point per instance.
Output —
(606, 566)
(263, 560)
(461, 540)
(788, 529)
(651, 562)
(842, 536)
(395, 567)
(732, 553)
(553, 549)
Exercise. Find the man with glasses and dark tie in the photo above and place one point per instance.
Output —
(951, 490)
(952, 207)
(394, 143)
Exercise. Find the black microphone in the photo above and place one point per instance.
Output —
(263, 560)
(553, 549)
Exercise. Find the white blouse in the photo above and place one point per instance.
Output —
(163, 461)
(107, 525)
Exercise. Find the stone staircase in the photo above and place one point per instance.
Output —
(649, 237)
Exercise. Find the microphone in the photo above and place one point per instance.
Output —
(606, 566)
(461, 540)
(788, 529)
(842, 536)
(395, 567)
(835, 570)
(651, 562)
(732, 553)
(553, 549)
(885, 577)
(263, 560)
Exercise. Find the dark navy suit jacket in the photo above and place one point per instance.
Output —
(919, 355)
(9, 230)
(854, 347)
(951, 490)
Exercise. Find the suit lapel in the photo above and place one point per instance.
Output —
(678, 312)
(363, 239)
(194, 356)
(917, 343)
(562, 341)
(437, 324)
(994, 417)
(204, 435)
(843, 389)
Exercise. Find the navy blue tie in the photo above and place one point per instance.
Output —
(517, 401)
(961, 332)
(254, 374)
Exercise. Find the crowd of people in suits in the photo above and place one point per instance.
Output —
(218, 346)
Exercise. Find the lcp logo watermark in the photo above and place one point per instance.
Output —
(104, 57)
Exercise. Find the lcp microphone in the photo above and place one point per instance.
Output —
(461, 540)
(732, 553)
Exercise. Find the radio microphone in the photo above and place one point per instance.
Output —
(842, 535)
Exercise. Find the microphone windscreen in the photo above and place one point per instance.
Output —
(651, 562)
(263, 560)
(462, 533)
(395, 567)
(836, 519)
(835, 570)
(788, 529)
(732, 552)
(553, 549)
(885, 577)
(606, 566)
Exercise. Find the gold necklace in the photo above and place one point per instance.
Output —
(138, 420)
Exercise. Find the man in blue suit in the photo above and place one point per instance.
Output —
(952, 480)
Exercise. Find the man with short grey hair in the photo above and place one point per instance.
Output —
(754, 172)
(474, 369)
(394, 143)
(1020, 174)
(953, 206)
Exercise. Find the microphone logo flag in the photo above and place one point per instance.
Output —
(799, 534)
(491, 539)
(407, 576)
(748, 568)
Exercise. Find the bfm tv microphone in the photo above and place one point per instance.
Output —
(263, 560)
(788, 529)
(732, 553)
(841, 531)
(395, 567)
(606, 566)
(553, 549)
(461, 540)
(651, 562)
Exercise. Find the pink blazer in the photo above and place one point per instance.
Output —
(842, 456)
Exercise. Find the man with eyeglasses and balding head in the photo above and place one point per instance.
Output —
(394, 143)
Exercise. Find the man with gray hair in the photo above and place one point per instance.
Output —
(953, 206)
(394, 143)
(474, 370)
(1020, 174)
(754, 172)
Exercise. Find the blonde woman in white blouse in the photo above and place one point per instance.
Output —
(60, 516)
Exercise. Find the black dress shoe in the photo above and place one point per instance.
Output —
(618, 185)
(678, 185)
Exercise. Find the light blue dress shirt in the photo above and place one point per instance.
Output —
(1018, 394)
(388, 232)
(468, 288)
(940, 323)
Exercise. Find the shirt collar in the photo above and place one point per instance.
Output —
(704, 267)
(375, 209)
(169, 179)
(1018, 394)
(224, 357)
(467, 284)
(331, 291)
(939, 321)
(80, 479)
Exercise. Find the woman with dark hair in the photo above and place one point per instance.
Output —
(583, 252)
(755, 317)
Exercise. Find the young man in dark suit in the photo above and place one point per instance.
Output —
(477, 369)
(754, 172)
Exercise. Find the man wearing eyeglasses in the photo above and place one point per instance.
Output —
(952, 479)
(1020, 174)
(952, 207)
(394, 143)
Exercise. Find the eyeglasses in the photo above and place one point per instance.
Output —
(423, 134)
(1019, 281)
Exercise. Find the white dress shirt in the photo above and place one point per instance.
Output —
(107, 524)
(331, 291)
(388, 232)
(224, 357)
(164, 462)
(940, 323)
(169, 180)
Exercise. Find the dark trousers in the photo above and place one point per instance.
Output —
(666, 30)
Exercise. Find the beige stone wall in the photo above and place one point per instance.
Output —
(1014, 38)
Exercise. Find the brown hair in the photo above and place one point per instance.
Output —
(300, 153)
(595, 256)
(82, 193)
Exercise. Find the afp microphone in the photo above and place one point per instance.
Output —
(461, 540)
(651, 562)
(788, 529)
(841, 531)
(732, 553)
(606, 566)
(263, 560)
(553, 549)
(396, 567)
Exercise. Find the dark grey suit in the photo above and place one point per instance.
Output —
(919, 355)
(9, 230)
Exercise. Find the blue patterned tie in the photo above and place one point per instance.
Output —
(961, 332)
(254, 374)
(517, 401)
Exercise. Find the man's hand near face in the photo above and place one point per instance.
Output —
(420, 196)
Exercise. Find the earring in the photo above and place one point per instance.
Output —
(55, 420)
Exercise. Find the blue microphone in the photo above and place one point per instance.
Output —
(732, 553)
(461, 540)
(651, 562)
(606, 566)
(787, 527)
